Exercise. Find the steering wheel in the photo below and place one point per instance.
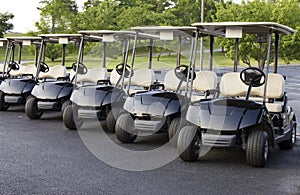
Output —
(253, 76)
(120, 68)
(44, 67)
(13, 65)
(82, 69)
(181, 72)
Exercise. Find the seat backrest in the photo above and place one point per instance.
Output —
(28, 69)
(54, 72)
(205, 80)
(143, 77)
(93, 75)
(171, 81)
(1, 67)
(114, 78)
(231, 85)
(275, 86)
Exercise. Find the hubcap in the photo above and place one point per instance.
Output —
(197, 144)
(293, 133)
(266, 150)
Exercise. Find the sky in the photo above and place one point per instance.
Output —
(25, 13)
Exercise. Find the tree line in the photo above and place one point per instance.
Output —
(62, 16)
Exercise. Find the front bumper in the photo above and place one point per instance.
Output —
(13, 99)
(215, 140)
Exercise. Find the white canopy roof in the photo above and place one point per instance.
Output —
(247, 27)
(120, 34)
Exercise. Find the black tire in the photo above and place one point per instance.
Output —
(31, 109)
(3, 106)
(112, 117)
(288, 144)
(124, 125)
(64, 105)
(257, 148)
(70, 121)
(28, 97)
(174, 129)
(188, 144)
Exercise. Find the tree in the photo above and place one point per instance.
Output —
(5, 25)
(283, 12)
(98, 15)
(57, 16)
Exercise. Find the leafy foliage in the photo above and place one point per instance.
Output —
(61, 16)
(283, 12)
(5, 25)
(57, 16)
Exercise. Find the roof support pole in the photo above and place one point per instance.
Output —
(179, 51)
(277, 38)
(8, 47)
(20, 53)
(36, 54)
(211, 50)
(64, 54)
(268, 64)
(41, 58)
(104, 54)
(79, 58)
(150, 53)
(236, 54)
(132, 62)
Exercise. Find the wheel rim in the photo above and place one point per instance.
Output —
(266, 150)
(293, 133)
(197, 144)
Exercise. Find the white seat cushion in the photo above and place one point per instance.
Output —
(114, 78)
(275, 87)
(93, 75)
(171, 82)
(143, 77)
(1, 67)
(205, 80)
(54, 72)
(231, 85)
(28, 69)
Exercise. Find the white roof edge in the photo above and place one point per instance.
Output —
(23, 38)
(280, 28)
(60, 35)
(102, 32)
(114, 32)
(162, 28)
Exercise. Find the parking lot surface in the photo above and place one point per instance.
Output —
(42, 157)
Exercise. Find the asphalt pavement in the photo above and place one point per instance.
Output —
(42, 157)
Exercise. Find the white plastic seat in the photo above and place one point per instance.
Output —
(24, 70)
(275, 90)
(1, 67)
(171, 81)
(114, 78)
(93, 75)
(54, 72)
(204, 81)
(141, 79)
(231, 85)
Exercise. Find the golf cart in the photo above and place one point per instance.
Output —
(160, 110)
(53, 87)
(253, 112)
(19, 80)
(103, 99)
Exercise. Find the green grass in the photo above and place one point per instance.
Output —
(141, 61)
